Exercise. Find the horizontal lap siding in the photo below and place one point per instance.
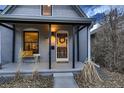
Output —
(36, 10)
(83, 45)
(64, 11)
(43, 41)
(6, 45)
(28, 10)
(0, 48)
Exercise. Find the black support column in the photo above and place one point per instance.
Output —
(73, 49)
(49, 28)
(13, 45)
(78, 46)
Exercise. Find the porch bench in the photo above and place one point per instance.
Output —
(29, 55)
(26, 55)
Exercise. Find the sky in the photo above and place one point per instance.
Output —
(2, 7)
(98, 11)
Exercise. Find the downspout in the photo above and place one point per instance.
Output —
(88, 44)
(89, 41)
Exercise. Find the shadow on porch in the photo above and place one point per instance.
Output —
(42, 67)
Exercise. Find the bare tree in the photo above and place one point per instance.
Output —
(108, 45)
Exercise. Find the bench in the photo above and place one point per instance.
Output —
(26, 55)
(29, 55)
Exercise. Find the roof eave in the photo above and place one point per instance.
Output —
(5, 18)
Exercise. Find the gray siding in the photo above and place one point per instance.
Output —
(6, 45)
(0, 47)
(27, 10)
(83, 45)
(36, 10)
(64, 11)
(43, 41)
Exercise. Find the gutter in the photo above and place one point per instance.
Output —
(6, 18)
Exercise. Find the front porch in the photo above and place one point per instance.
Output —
(42, 67)
(76, 43)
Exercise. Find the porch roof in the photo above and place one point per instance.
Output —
(44, 19)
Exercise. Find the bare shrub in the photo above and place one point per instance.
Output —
(89, 73)
(108, 45)
(18, 73)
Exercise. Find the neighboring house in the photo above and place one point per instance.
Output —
(102, 26)
(59, 33)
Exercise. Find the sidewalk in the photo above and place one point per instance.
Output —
(64, 80)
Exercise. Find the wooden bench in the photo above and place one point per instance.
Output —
(29, 55)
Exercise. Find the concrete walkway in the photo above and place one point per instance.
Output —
(64, 80)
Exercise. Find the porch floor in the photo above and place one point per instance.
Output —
(42, 67)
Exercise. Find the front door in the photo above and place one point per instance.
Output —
(62, 46)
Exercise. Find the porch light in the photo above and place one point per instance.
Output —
(53, 29)
(52, 40)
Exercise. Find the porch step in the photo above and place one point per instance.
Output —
(62, 74)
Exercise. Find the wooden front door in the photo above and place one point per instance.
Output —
(62, 46)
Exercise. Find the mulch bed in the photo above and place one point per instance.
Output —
(26, 82)
(115, 80)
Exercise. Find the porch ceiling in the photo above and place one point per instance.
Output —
(52, 20)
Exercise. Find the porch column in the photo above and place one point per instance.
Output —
(49, 28)
(88, 45)
(78, 46)
(13, 45)
(73, 49)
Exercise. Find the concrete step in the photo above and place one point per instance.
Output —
(62, 74)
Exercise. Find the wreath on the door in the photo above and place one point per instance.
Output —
(61, 39)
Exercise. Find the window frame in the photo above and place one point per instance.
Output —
(42, 11)
(25, 42)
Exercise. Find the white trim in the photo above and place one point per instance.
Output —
(89, 46)
(63, 59)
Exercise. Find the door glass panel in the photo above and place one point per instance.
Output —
(62, 45)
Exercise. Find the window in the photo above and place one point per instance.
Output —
(47, 10)
(31, 41)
